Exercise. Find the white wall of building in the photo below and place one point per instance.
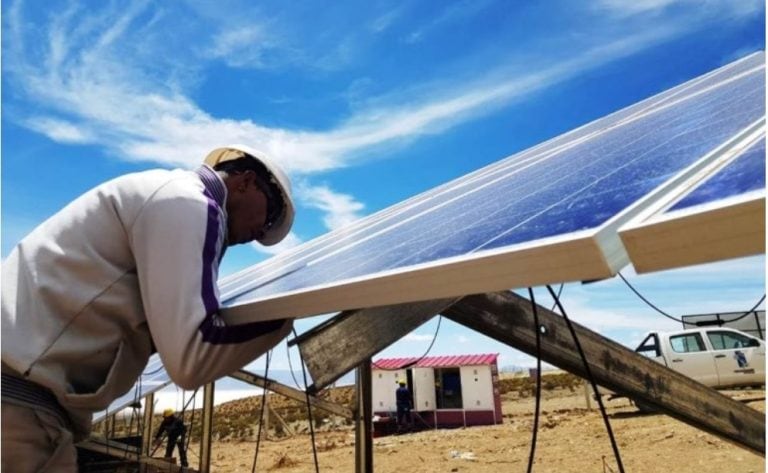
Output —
(476, 387)
(424, 389)
(384, 385)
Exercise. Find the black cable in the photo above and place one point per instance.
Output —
(637, 293)
(559, 293)
(418, 360)
(140, 420)
(749, 312)
(154, 371)
(591, 379)
(263, 407)
(538, 380)
(191, 423)
(309, 410)
(290, 366)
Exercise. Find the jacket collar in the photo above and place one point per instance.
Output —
(213, 184)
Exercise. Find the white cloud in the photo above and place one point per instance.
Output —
(454, 12)
(138, 117)
(59, 130)
(339, 209)
(241, 46)
(624, 8)
(383, 22)
(415, 337)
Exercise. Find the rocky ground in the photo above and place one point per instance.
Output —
(571, 438)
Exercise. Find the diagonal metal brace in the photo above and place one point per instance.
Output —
(508, 318)
(341, 344)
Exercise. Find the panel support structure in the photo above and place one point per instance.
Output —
(146, 434)
(363, 421)
(361, 333)
(205, 437)
(508, 318)
(291, 393)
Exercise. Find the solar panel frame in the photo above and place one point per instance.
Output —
(672, 233)
(590, 254)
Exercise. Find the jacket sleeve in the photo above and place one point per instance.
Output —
(176, 240)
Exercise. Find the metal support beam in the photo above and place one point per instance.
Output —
(146, 434)
(291, 393)
(361, 333)
(508, 318)
(363, 421)
(205, 437)
(354, 337)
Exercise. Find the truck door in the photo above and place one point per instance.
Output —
(740, 360)
(423, 389)
(688, 355)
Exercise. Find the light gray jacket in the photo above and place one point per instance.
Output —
(128, 267)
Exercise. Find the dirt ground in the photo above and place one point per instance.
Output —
(571, 438)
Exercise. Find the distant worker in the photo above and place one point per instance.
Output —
(404, 406)
(126, 270)
(174, 427)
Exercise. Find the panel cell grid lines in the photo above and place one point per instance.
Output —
(544, 215)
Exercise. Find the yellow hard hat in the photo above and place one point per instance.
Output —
(401, 381)
(168, 412)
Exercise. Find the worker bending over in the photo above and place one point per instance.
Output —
(126, 270)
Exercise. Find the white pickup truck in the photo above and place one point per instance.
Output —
(715, 356)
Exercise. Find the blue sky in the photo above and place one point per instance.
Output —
(364, 103)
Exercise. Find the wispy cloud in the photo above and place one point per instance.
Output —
(384, 21)
(60, 130)
(339, 209)
(243, 46)
(138, 117)
(625, 8)
(453, 12)
(416, 337)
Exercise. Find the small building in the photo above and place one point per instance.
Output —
(448, 391)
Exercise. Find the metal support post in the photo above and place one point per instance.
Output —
(146, 434)
(205, 436)
(364, 416)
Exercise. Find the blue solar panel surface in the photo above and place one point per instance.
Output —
(575, 182)
(744, 174)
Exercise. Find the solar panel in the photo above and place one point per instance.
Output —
(742, 175)
(717, 215)
(153, 379)
(544, 215)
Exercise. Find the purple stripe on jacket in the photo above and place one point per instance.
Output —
(213, 328)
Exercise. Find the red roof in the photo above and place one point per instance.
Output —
(435, 361)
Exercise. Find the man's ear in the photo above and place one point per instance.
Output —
(239, 182)
(248, 179)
